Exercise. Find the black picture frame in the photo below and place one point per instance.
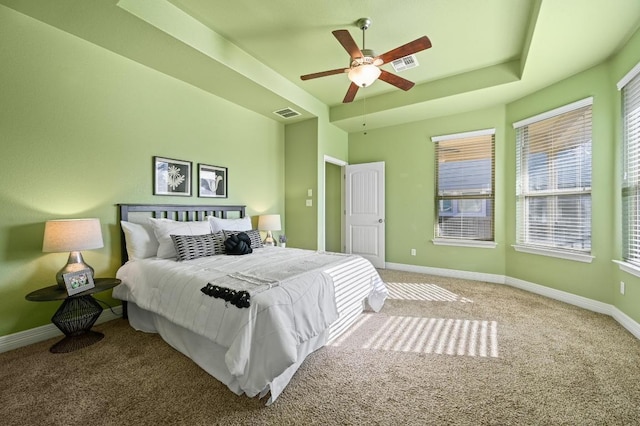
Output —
(171, 177)
(213, 181)
(78, 281)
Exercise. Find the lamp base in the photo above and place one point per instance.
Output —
(75, 263)
(268, 241)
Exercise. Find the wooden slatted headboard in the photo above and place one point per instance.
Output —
(184, 213)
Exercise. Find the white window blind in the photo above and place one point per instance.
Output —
(465, 185)
(553, 188)
(631, 171)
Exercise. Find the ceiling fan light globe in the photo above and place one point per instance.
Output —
(364, 75)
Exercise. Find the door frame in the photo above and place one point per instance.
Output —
(342, 164)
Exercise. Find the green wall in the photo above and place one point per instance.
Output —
(592, 280)
(621, 64)
(79, 127)
(333, 208)
(408, 154)
(301, 159)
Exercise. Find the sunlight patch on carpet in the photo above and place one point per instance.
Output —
(444, 336)
(423, 291)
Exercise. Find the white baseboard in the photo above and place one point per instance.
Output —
(592, 305)
(38, 334)
(451, 273)
(626, 321)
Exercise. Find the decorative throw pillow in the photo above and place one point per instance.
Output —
(217, 224)
(253, 234)
(164, 228)
(140, 240)
(238, 243)
(194, 246)
(218, 242)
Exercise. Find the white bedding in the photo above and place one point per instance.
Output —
(264, 341)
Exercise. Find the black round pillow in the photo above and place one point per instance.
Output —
(238, 244)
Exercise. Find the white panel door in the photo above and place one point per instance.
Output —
(364, 213)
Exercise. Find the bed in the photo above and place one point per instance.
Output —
(297, 300)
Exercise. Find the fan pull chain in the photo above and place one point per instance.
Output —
(364, 115)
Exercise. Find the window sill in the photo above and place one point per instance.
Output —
(628, 267)
(578, 257)
(463, 243)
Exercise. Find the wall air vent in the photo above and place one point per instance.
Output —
(405, 63)
(287, 113)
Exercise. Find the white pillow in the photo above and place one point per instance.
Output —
(163, 228)
(140, 240)
(217, 224)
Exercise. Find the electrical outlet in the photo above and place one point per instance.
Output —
(309, 203)
(413, 252)
(622, 287)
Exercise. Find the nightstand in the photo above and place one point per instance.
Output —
(76, 315)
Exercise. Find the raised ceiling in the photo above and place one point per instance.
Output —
(485, 52)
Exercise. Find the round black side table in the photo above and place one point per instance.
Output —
(76, 315)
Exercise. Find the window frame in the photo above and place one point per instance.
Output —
(454, 199)
(630, 187)
(522, 194)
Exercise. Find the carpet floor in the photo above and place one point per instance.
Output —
(442, 351)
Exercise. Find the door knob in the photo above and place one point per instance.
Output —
(380, 220)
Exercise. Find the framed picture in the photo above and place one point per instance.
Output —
(171, 177)
(212, 181)
(78, 281)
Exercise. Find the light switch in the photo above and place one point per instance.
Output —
(309, 203)
(309, 192)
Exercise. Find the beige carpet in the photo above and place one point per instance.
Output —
(441, 352)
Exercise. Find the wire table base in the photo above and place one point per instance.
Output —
(74, 318)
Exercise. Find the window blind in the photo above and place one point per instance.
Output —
(553, 187)
(465, 185)
(631, 171)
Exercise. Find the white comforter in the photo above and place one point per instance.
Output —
(262, 340)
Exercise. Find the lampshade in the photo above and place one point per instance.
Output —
(269, 222)
(364, 75)
(72, 235)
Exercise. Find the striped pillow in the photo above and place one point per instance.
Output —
(194, 246)
(253, 234)
(218, 244)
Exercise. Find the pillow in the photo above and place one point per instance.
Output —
(217, 224)
(253, 234)
(164, 228)
(194, 246)
(238, 243)
(218, 242)
(140, 240)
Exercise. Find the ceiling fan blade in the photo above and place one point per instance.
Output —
(410, 48)
(349, 44)
(351, 93)
(323, 74)
(395, 80)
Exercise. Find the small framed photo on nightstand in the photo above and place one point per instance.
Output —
(78, 281)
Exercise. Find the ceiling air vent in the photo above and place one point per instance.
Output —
(287, 113)
(405, 63)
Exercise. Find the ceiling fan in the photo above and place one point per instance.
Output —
(364, 68)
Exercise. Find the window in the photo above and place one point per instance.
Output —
(631, 167)
(464, 185)
(553, 172)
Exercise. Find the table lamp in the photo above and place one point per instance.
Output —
(71, 235)
(269, 222)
